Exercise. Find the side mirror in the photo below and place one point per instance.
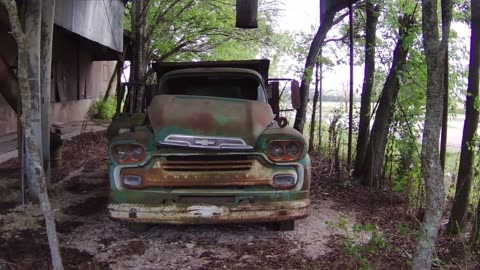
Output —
(247, 13)
(295, 94)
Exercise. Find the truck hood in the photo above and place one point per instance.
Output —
(208, 122)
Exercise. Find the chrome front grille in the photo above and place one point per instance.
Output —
(207, 166)
(205, 142)
(204, 171)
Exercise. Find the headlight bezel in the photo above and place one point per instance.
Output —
(285, 157)
(129, 158)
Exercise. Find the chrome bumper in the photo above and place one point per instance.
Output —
(203, 213)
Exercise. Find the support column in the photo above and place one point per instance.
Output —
(33, 18)
(48, 13)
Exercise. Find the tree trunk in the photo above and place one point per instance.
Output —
(48, 14)
(327, 23)
(314, 111)
(350, 88)
(140, 67)
(320, 88)
(26, 118)
(465, 170)
(33, 17)
(372, 169)
(476, 225)
(443, 135)
(365, 109)
(430, 159)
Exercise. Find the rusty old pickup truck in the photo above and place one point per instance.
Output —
(209, 150)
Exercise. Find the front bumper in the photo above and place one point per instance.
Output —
(177, 213)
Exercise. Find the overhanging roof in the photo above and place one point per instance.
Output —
(100, 21)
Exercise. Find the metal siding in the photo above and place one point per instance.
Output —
(100, 20)
(64, 14)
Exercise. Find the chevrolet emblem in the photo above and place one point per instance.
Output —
(204, 142)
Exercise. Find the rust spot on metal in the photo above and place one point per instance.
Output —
(202, 174)
(245, 119)
(196, 214)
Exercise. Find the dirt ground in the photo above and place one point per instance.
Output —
(90, 240)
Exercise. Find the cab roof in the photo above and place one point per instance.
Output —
(261, 66)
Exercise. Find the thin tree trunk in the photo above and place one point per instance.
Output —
(443, 136)
(119, 94)
(117, 73)
(314, 111)
(320, 88)
(430, 158)
(325, 26)
(365, 108)
(140, 68)
(26, 118)
(350, 108)
(372, 169)
(476, 224)
(465, 170)
(110, 83)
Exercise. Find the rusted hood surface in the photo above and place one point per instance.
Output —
(208, 116)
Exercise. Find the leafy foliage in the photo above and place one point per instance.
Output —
(186, 30)
(360, 242)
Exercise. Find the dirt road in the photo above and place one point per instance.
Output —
(90, 240)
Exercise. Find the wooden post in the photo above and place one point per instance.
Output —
(48, 13)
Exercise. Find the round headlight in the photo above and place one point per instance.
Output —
(121, 151)
(276, 150)
(292, 149)
(137, 152)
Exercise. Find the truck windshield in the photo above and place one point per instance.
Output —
(225, 86)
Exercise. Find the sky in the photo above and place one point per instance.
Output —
(301, 15)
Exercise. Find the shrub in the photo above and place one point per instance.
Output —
(105, 109)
